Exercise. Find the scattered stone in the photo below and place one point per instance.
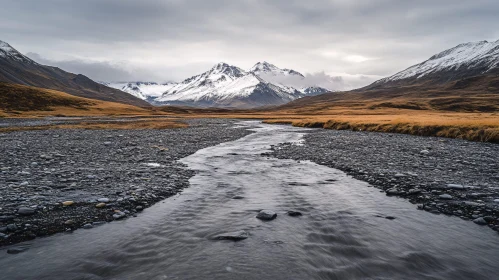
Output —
(445, 196)
(489, 219)
(266, 215)
(455, 186)
(16, 250)
(393, 191)
(88, 226)
(480, 221)
(100, 205)
(237, 197)
(139, 208)
(7, 218)
(234, 236)
(104, 200)
(294, 213)
(69, 222)
(118, 215)
(390, 217)
(11, 227)
(68, 203)
(26, 211)
(414, 191)
(424, 152)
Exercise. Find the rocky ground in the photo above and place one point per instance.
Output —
(61, 180)
(448, 176)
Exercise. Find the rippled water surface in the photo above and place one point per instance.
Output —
(342, 234)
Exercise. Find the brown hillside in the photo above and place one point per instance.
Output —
(20, 100)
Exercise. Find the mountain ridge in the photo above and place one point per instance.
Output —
(227, 86)
(461, 61)
(20, 69)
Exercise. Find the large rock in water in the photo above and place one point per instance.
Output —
(234, 236)
(266, 215)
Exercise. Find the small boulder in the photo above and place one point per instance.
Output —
(393, 191)
(88, 226)
(455, 186)
(480, 221)
(237, 197)
(16, 250)
(118, 215)
(266, 215)
(445, 196)
(26, 211)
(414, 191)
(234, 236)
(68, 203)
(294, 213)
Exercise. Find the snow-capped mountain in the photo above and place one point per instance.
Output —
(144, 90)
(229, 86)
(464, 60)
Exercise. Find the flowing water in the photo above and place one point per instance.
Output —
(342, 234)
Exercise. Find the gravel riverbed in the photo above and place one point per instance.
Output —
(442, 176)
(61, 180)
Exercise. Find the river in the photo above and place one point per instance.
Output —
(342, 234)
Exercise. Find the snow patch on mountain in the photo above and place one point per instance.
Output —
(8, 52)
(143, 90)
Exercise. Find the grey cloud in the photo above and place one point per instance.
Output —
(336, 83)
(100, 71)
(179, 38)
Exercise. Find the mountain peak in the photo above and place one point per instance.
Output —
(264, 67)
(227, 69)
(8, 52)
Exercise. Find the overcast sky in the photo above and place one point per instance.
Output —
(162, 40)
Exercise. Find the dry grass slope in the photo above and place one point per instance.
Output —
(25, 101)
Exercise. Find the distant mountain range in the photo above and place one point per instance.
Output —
(228, 86)
(467, 71)
(463, 78)
(19, 69)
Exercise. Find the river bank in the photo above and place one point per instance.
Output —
(442, 176)
(61, 180)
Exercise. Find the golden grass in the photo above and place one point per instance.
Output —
(139, 124)
(470, 126)
(482, 127)
(427, 113)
